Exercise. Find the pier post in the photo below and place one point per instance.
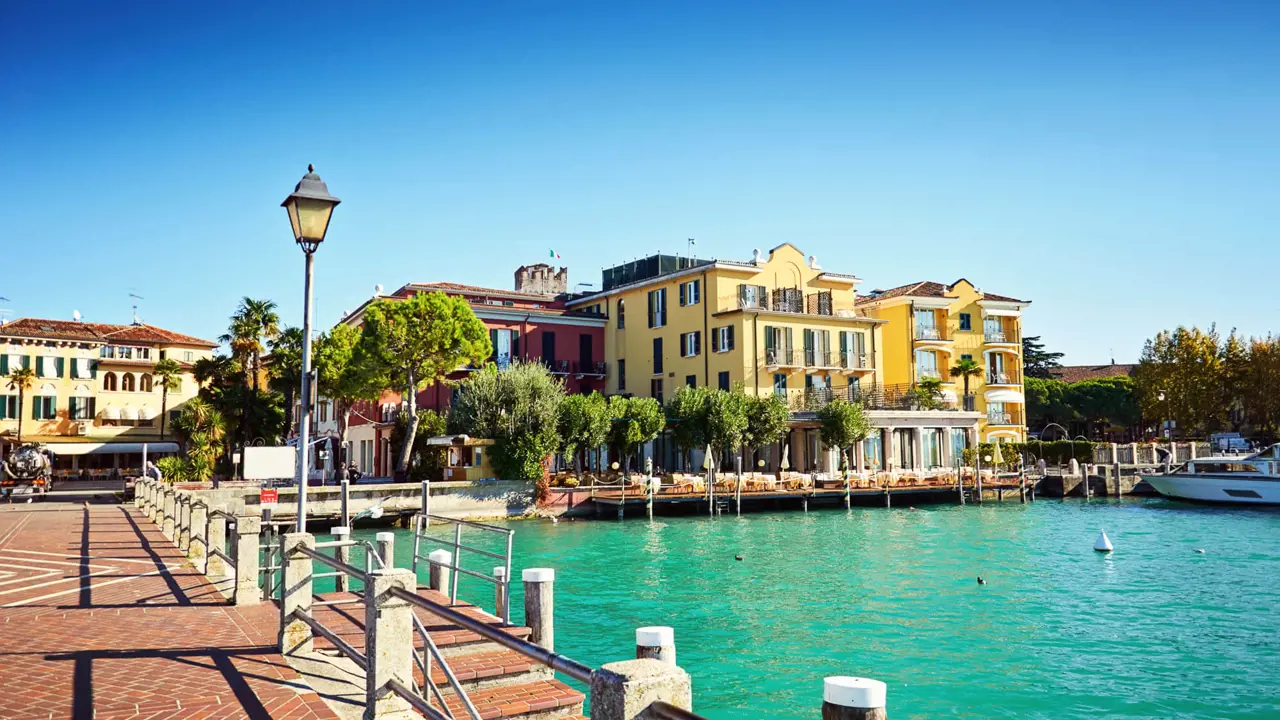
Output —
(342, 533)
(152, 506)
(625, 690)
(386, 543)
(1117, 473)
(539, 606)
(139, 490)
(346, 500)
(246, 540)
(215, 567)
(656, 642)
(184, 521)
(737, 461)
(500, 591)
(198, 552)
(295, 595)
(170, 496)
(852, 698)
(438, 563)
(388, 644)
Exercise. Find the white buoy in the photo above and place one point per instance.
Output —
(1103, 543)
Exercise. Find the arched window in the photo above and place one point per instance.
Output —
(109, 382)
(127, 383)
(146, 383)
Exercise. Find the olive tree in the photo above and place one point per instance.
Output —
(843, 424)
(584, 425)
(636, 421)
(519, 408)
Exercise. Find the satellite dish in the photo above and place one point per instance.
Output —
(377, 289)
(75, 315)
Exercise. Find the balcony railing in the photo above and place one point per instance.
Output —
(557, 367)
(1000, 336)
(1004, 417)
(589, 368)
(931, 373)
(850, 360)
(931, 332)
(1008, 377)
(788, 300)
(872, 396)
(782, 358)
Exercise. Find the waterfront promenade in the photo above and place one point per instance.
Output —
(101, 617)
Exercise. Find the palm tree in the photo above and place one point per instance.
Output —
(929, 393)
(243, 339)
(169, 374)
(966, 368)
(21, 380)
(260, 320)
(285, 365)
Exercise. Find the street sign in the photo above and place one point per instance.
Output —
(268, 497)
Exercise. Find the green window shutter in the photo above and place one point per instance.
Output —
(4, 364)
(26, 361)
(71, 408)
(62, 367)
(93, 408)
(93, 369)
(53, 407)
(4, 407)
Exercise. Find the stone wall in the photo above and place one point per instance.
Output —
(542, 279)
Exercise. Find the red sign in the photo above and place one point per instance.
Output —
(269, 496)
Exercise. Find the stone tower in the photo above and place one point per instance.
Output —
(542, 279)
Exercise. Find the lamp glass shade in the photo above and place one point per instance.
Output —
(309, 217)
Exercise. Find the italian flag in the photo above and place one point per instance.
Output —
(555, 254)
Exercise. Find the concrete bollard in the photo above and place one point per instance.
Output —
(438, 570)
(198, 551)
(248, 528)
(167, 518)
(295, 635)
(139, 492)
(625, 690)
(539, 606)
(656, 642)
(852, 698)
(388, 621)
(386, 544)
(342, 533)
(153, 503)
(216, 568)
(184, 521)
(500, 591)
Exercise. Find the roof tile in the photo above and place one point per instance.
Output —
(96, 332)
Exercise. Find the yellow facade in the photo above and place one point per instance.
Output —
(930, 327)
(722, 324)
(93, 384)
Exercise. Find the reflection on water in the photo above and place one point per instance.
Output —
(1153, 630)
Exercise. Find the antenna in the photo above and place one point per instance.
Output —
(692, 244)
(136, 297)
(4, 311)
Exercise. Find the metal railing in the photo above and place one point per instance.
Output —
(1006, 417)
(1000, 336)
(1007, 377)
(421, 530)
(782, 358)
(850, 360)
(590, 368)
(930, 332)
(872, 396)
(666, 711)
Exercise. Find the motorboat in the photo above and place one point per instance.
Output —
(1245, 480)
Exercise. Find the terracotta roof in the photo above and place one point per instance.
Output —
(1001, 298)
(1076, 373)
(926, 288)
(97, 332)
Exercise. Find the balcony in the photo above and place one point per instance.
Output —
(593, 369)
(1004, 417)
(871, 396)
(786, 300)
(782, 358)
(931, 332)
(999, 336)
(928, 373)
(556, 367)
(850, 360)
(1007, 377)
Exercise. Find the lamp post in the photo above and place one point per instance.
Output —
(309, 206)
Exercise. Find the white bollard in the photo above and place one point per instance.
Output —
(439, 562)
(656, 642)
(500, 591)
(539, 606)
(853, 698)
(386, 542)
(342, 533)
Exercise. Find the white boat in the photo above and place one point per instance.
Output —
(1248, 480)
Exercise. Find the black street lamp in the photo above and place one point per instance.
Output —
(310, 207)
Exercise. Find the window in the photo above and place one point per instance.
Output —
(146, 383)
(690, 292)
(549, 348)
(82, 368)
(8, 407)
(144, 353)
(966, 356)
(691, 380)
(127, 383)
(926, 365)
(622, 313)
(658, 308)
(724, 379)
(753, 296)
(966, 321)
(124, 353)
(780, 383)
(81, 408)
(187, 356)
(107, 351)
(44, 407)
(657, 356)
(622, 375)
(48, 367)
(691, 344)
(655, 389)
(109, 382)
(722, 339)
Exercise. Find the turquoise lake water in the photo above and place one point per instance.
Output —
(1153, 630)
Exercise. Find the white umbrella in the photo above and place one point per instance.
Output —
(706, 460)
(786, 463)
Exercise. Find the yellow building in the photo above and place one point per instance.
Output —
(775, 324)
(929, 327)
(93, 401)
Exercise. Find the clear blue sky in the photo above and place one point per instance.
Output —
(1117, 163)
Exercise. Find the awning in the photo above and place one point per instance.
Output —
(146, 413)
(92, 448)
(1003, 396)
(128, 413)
(110, 413)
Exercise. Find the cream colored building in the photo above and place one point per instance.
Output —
(94, 402)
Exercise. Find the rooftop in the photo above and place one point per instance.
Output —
(1076, 373)
(926, 288)
(71, 330)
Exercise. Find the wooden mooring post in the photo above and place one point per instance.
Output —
(853, 698)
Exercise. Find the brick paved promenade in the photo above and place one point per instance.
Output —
(101, 617)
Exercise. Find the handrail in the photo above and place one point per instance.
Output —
(555, 661)
(443, 541)
(417, 702)
(334, 563)
(225, 557)
(356, 656)
(422, 523)
(474, 524)
(660, 710)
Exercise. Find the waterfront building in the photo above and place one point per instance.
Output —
(929, 327)
(528, 324)
(94, 402)
(778, 324)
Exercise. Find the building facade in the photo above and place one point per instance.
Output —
(929, 327)
(94, 401)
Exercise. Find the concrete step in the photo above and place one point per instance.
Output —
(537, 700)
(482, 670)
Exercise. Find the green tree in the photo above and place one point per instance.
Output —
(584, 424)
(202, 429)
(344, 375)
(927, 394)
(1180, 378)
(257, 319)
(842, 424)
(168, 373)
(21, 379)
(1103, 402)
(215, 372)
(767, 420)
(1260, 397)
(424, 463)
(1235, 378)
(966, 368)
(726, 420)
(636, 421)
(1046, 402)
(687, 411)
(1036, 362)
(285, 368)
(414, 342)
(519, 408)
